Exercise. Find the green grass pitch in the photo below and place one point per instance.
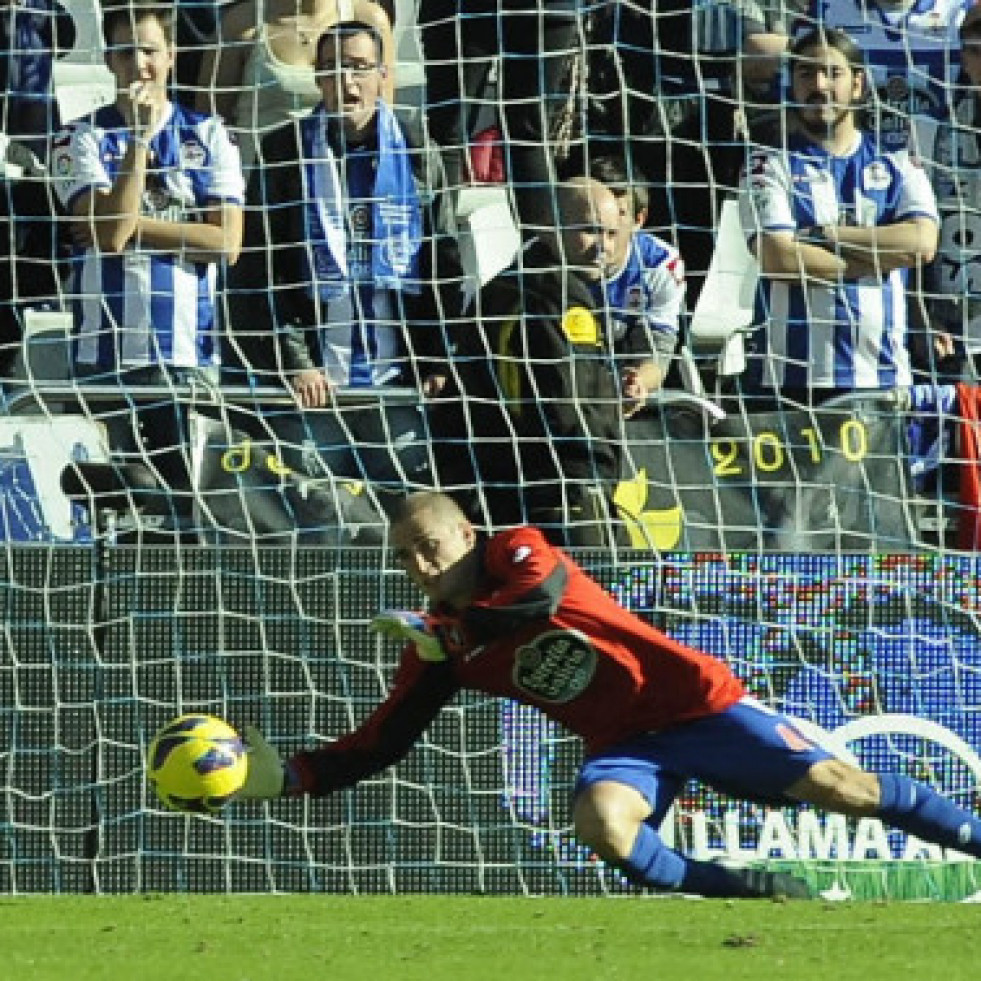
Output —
(439, 938)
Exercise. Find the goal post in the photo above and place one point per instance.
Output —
(824, 553)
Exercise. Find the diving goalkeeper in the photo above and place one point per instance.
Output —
(515, 617)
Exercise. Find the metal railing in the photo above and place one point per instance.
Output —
(84, 395)
(60, 393)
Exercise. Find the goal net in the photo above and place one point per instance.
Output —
(190, 540)
(878, 658)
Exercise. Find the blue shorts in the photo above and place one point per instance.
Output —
(748, 751)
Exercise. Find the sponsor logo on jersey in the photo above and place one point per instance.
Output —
(520, 554)
(896, 88)
(556, 666)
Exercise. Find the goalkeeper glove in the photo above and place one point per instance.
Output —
(266, 775)
(409, 628)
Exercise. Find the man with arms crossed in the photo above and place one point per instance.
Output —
(836, 223)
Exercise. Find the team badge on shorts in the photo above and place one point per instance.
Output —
(793, 739)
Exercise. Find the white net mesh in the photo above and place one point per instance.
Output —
(441, 301)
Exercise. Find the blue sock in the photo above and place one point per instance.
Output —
(652, 863)
(920, 810)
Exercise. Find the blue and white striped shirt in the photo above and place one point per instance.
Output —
(849, 335)
(146, 306)
(648, 290)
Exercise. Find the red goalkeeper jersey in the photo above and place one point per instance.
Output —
(539, 631)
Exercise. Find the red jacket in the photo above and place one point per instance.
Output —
(539, 631)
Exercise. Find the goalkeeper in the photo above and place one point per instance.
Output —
(513, 616)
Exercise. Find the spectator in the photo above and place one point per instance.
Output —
(952, 151)
(339, 231)
(836, 223)
(194, 32)
(644, 289)
(32, 34)
(539, 426)
(535, 44)
(260, 68)
(155, 191)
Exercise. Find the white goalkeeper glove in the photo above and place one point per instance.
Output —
(409, 628)
(266, 775)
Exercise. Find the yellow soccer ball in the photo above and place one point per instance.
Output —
(196, 763)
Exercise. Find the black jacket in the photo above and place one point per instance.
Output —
(538, 399)
(273, 317)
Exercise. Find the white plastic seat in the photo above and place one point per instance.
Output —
(725, 305)
(489, 238)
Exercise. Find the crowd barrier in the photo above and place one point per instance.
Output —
(694, 477)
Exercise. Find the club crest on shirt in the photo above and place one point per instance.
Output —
(556, 666)
(156, 200)
(360, 215)
(192, 155)
(876, 176)
(758, 164)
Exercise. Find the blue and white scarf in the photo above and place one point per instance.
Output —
(396, 216)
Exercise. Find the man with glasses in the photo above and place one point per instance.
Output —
(338, 258)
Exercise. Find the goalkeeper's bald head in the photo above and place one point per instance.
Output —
(435, 543)
(441, 506)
